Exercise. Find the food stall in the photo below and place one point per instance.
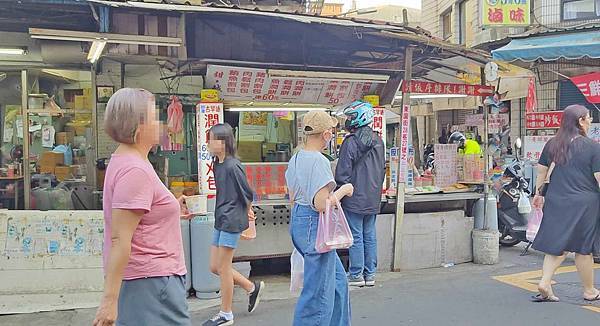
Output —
(265, 107)
(436, 206)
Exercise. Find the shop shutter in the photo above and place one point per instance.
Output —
(462, 116)
(569, 94)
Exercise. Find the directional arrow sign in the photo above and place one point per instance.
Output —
(424, 87)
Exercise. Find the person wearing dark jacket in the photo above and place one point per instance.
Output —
(362, 164)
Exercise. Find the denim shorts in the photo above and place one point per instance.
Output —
(225, 239)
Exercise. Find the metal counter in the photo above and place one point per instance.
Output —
(272, 232)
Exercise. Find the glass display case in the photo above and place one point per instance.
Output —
(59, 139)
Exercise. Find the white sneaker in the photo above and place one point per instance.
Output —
(356, 281)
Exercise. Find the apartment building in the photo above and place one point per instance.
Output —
(567, 21)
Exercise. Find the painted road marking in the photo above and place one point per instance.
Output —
(528, 281)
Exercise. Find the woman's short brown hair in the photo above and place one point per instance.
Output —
(124, 112)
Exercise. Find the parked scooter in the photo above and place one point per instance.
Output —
(512, 224)
(428, 158)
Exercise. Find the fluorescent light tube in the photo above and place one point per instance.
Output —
(77, 36)
(12, 51)
(96, 51)
(278, 109)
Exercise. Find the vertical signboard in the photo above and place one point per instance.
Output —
(378, 124)
(394, 159)
(207, 115)
(404, 141)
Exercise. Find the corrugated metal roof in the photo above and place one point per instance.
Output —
(212, 7)
(388, 29)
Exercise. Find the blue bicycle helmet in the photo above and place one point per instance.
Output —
(359, 114)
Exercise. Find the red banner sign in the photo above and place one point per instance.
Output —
(543, 120)
(424, 87)
(589, 85)
(531, 103)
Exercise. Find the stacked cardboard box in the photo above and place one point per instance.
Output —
(49, 161)
(63, 173)
(65, 138)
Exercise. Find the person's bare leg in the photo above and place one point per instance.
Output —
(551, 264)
(585, 267)
(226, 275)
(238, 279)
(214, 260)
(242, 281)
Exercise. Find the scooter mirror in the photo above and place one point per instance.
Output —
(518, 143)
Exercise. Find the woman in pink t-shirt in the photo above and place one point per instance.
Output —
(143, 252)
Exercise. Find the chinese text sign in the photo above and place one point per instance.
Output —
(207, 115)
(446, 172)
(237, 83)
(506, 13)
(379, 124)
(423, 87)
(543, 120)
(589, 85)
(404, 140)
(533, 146)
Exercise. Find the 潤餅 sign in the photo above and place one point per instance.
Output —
(501, 13)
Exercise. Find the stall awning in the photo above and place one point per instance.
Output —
(552, 47)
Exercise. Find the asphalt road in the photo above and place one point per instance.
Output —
(461, 295)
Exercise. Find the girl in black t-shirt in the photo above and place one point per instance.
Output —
(232, 211)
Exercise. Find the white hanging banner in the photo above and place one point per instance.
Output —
(251, 84)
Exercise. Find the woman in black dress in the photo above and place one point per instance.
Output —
(572, 202)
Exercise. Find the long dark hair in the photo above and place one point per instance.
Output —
(570, 128)
(224, 133)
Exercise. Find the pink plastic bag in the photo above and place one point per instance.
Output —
(333, 231)
(533, 225)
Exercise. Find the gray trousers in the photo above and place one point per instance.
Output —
(154, 301)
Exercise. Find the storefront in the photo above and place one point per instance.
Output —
(51, 121)
(565, 66)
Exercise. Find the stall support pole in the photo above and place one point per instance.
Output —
(486, 187)
(408, 58)
(25, 118)
(93, 146)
